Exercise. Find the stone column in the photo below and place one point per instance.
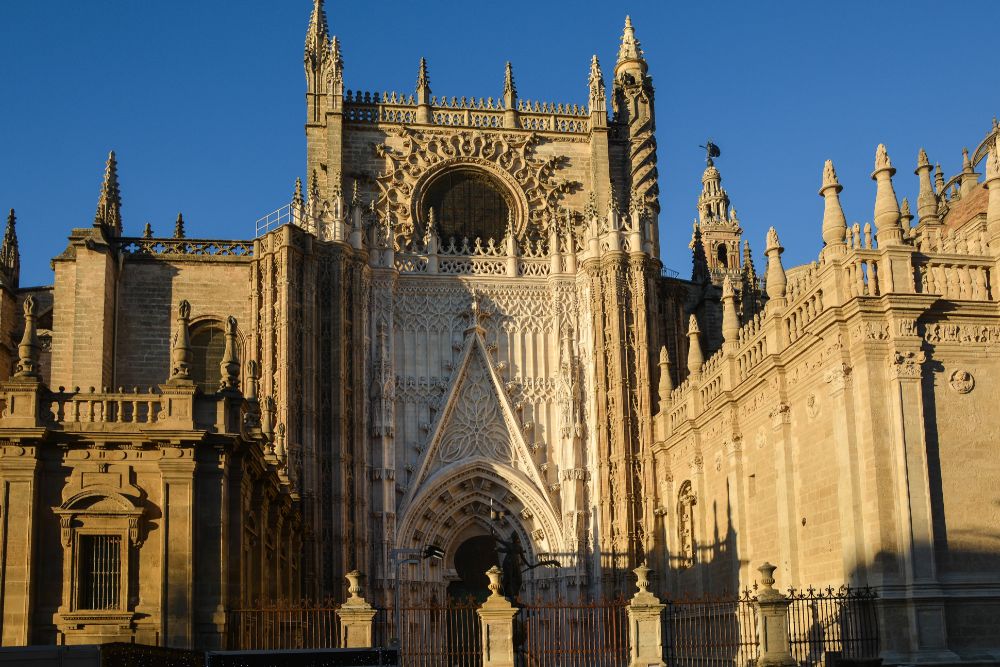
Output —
(645, 624)
(497, 617)
(356, 616)
(772, 622)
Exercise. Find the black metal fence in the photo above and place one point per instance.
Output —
(303, 625)
(832, 623)
(563, 634)
(702, 632)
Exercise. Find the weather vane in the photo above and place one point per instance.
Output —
(711, 151)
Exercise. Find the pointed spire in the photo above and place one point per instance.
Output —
(317, 35)
(927, 202)
(695, 356)
(713, 202)
(423, 94)
(969, 176)
(834, 222)
(509, 89)
(10, 255)
(699, 271)
(109, 204)
(730, 320)
(888, 230)
(179, 227)
(939, 179)
(597, 99)
(180, 355)
(905, 217)
(297, 199)
(666, 382)
(630, 51)
(147, 231)
(776, 281)
(27, 350)
(230, 364)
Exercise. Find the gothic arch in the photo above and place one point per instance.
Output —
(459, 496)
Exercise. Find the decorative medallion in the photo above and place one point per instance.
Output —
(962, 381)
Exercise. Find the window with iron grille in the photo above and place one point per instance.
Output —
(100, 572)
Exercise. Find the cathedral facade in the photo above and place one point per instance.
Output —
(460, 330)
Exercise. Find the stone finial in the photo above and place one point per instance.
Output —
(730, 320)
(834, 222)
(279, 444)
(354, 588)
(905, 216)
(179, 227)
(180, 372)
(969, 179)
(230, 364)
(10, 255)
(494, 574)
(927, 203)
(597, 97)
(252, 384)
(642, 578)
(27, 350)
(776, 281)
(666, 382)
(109, 203)
(297, 199)
(423, 94)
(695, 356)
(938, 179)
(887, 224)
(147, 231)
(509, 89)
(630, 49)
(966, 162)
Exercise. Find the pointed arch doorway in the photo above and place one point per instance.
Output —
(472, 558)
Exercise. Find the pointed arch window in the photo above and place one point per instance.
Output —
(208, 344)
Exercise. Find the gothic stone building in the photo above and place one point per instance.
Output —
(460, 325)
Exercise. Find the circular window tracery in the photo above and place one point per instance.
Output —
(467, 203)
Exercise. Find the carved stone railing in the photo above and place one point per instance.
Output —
(861, 273)
(185, 248)
(375, 108)
(958, 277)
(78, 407)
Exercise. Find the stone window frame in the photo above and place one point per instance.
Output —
(108, 513)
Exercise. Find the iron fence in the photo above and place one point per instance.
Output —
(304, 625)
(440, 634)
(703, 632)
(563, 634)
(832, 623)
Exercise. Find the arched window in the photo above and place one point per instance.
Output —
(722, 252)
(208, 344)
(467, 203)
(685, 525)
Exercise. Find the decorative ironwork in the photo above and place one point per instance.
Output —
(574, 635)
(303, 625)
(832, 623)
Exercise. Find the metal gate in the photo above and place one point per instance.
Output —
(573, 635)
(441, 635)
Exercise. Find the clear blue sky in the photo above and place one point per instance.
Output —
(203, 100)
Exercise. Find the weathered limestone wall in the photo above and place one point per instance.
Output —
(148, 296)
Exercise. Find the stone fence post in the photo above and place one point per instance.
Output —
(356, 616)
(645, 624)
(497, 617)
(772, 622)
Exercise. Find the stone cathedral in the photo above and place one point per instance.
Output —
(460, 330)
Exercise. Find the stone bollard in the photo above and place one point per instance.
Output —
(497, 617)
(645, 627)
(356, 616)
(772, 622)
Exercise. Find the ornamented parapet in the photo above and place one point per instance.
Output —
(185, 248)
(393, 108)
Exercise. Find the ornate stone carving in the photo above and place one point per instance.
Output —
(962, 381)
(422, 154)
(838, 377)
(906, 364)
(780, 414)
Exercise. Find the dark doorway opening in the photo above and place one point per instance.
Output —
(472, 558)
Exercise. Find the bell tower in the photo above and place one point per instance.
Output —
(717, 222)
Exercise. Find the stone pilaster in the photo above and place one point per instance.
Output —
(356, 615)
(772, 619)
(645, 615)
(497, 618)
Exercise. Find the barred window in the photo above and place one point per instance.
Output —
(100, 573)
